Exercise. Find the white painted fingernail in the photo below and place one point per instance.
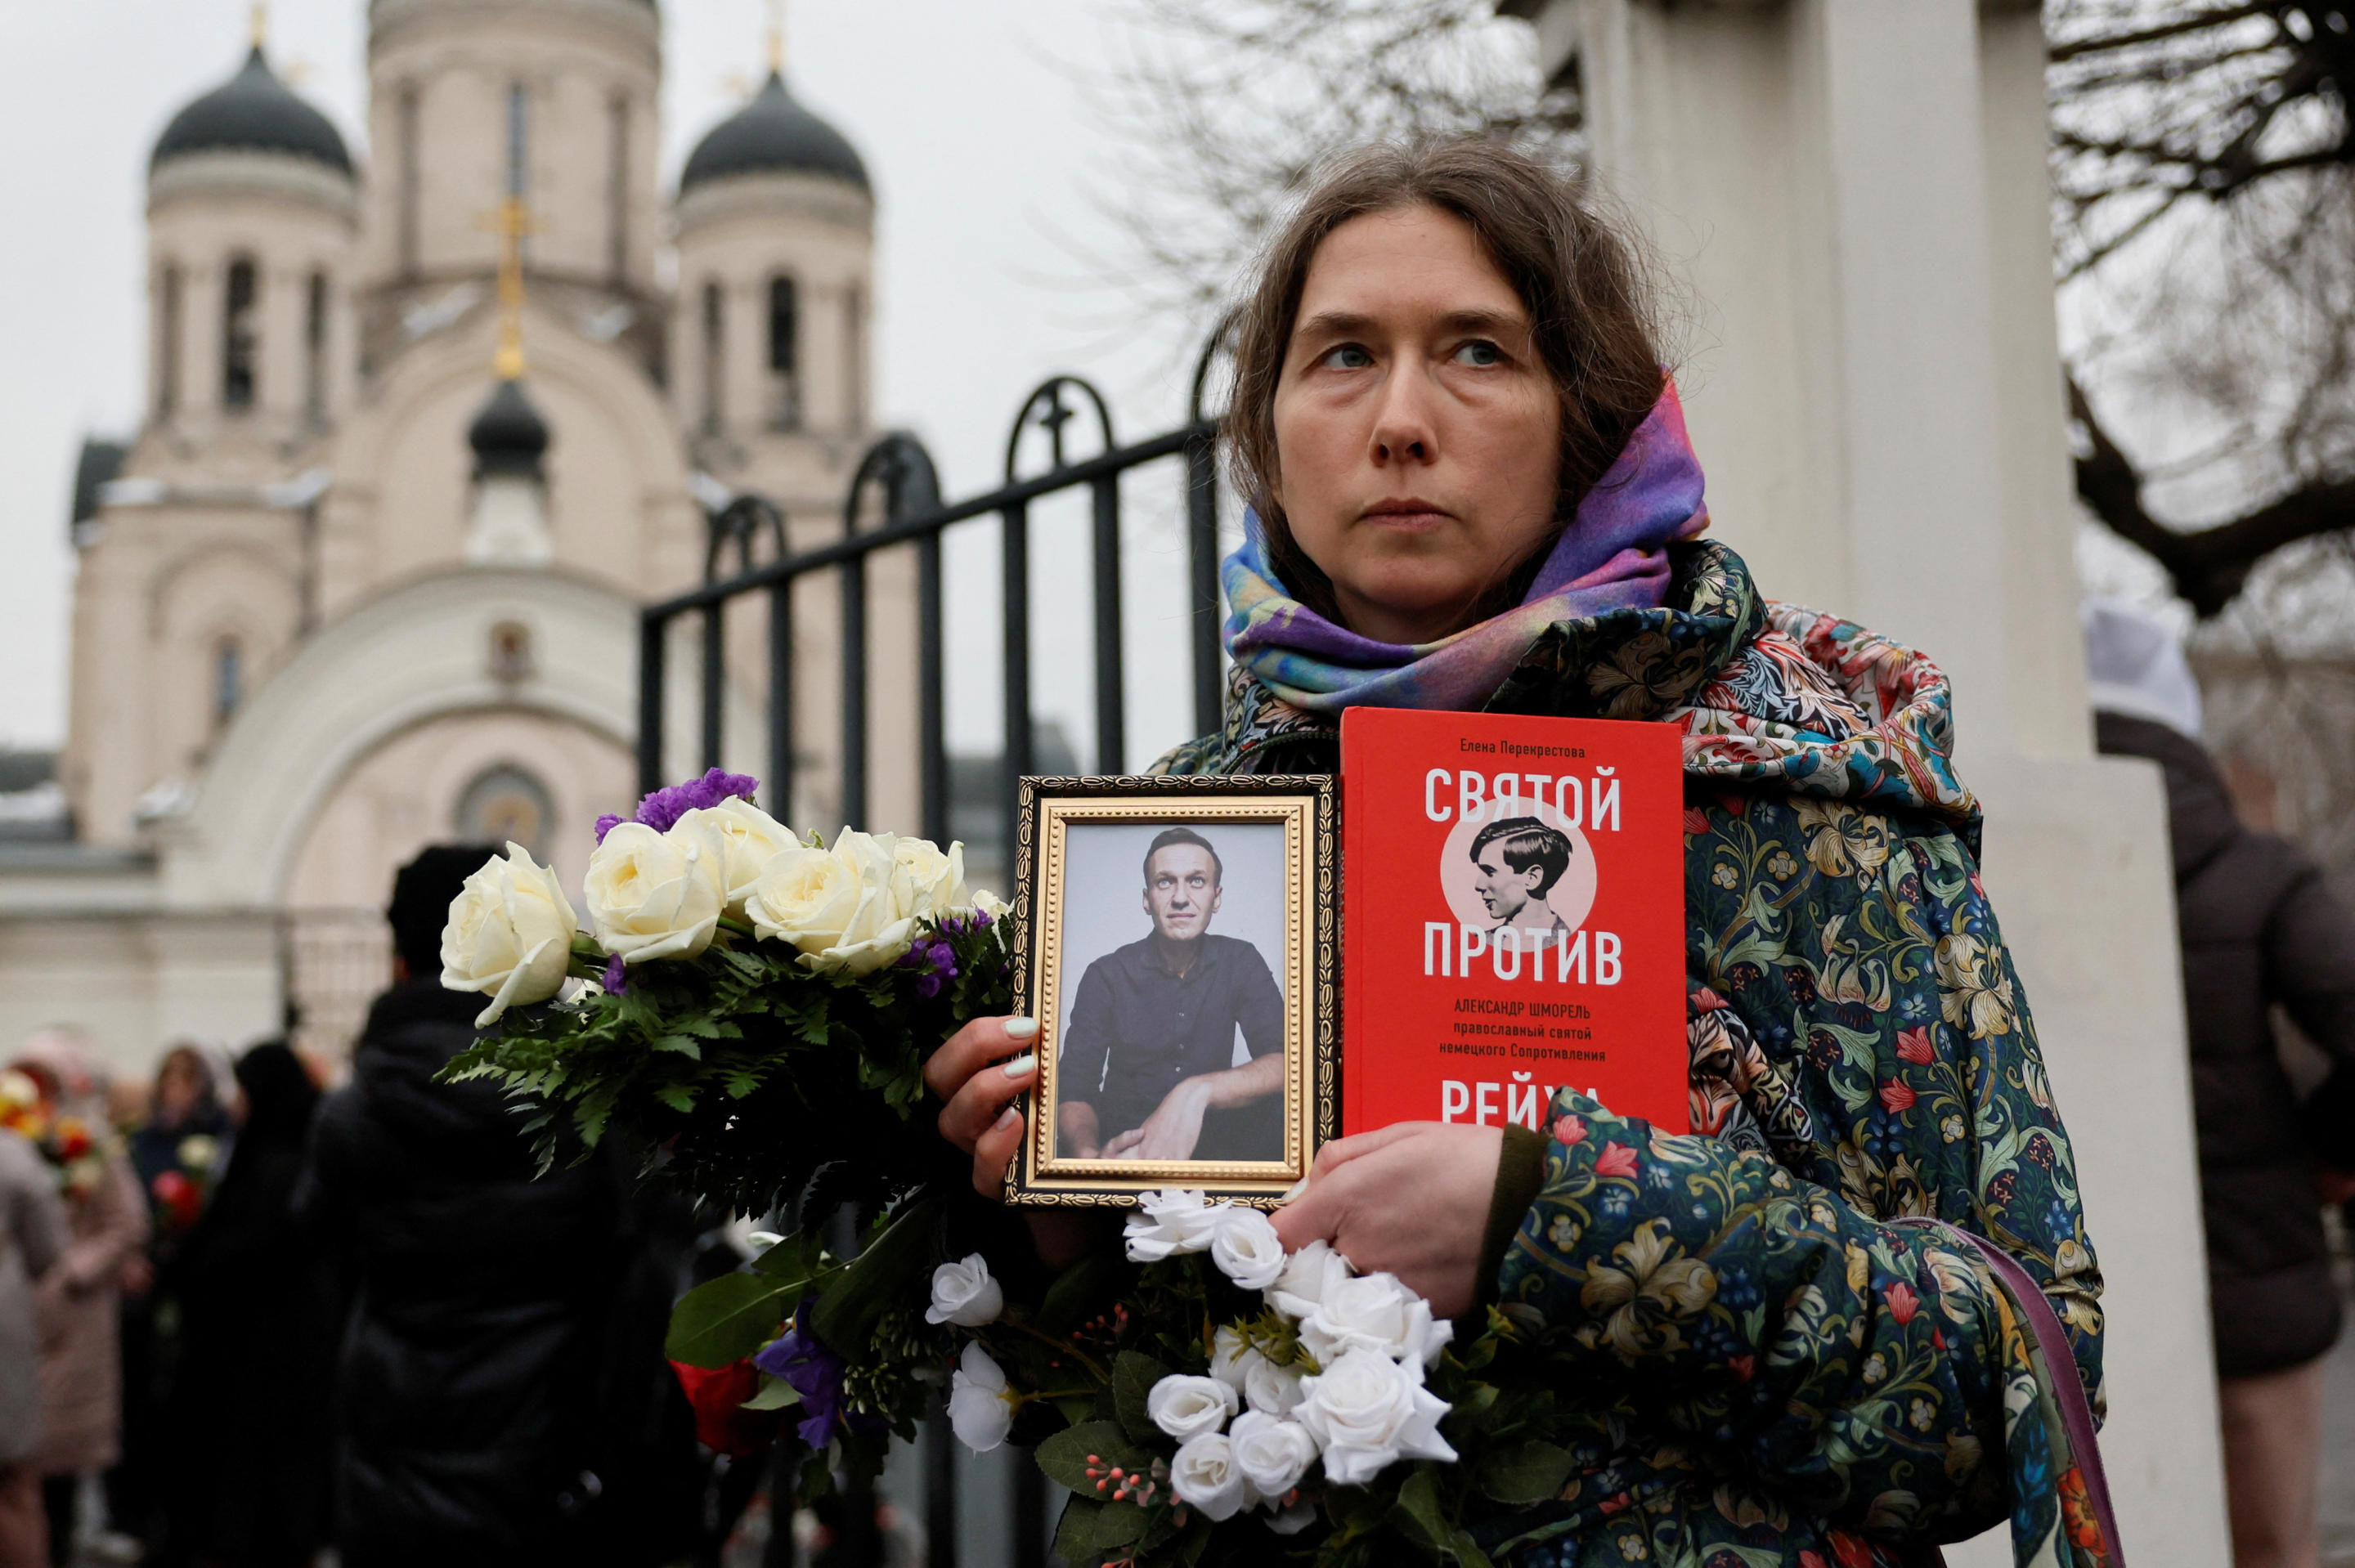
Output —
(1021, 1028)
(1019, 1065)
(1008, 1118)
(1293, 1191)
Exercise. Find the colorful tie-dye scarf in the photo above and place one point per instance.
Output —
(1614, 555)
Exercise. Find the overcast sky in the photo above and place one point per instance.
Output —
(972, 118)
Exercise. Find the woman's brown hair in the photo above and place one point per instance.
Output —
(1580, 277)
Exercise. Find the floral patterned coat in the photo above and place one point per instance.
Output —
(1774, 1373)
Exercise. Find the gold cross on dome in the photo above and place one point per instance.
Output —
(510, 222)
(777, 36)
(257, 22)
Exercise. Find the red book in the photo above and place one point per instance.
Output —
(1512, 913)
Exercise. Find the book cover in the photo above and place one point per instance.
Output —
(1512, 911)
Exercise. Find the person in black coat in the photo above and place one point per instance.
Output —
(503, 1399)
(248, 1419)
(2259, 928)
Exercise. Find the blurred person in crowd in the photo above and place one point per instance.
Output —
(82, 1372)
(2260, 929)
(33, 1237)
(178, 1146)
(248, 1430)
(503, 1397)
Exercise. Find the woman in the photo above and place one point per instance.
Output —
(82, 1372)
(32, 1238)
(1473, 490)
(250, 1468)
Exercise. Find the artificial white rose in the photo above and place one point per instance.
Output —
(1186, 1406)
(1367, 1412)
(750, 837)
(1168, 1222)
(509, 935)
(1230, 1357)
(1245, 1248)
(964, 1294)
(878, 930)
(1376, 1312)
(990, 904)
(979, 1411)
(1271, 1390)
(1204, 1475)
(1312, 1271)
(804, 896)
(1272, 1453)
(656, 896)
(929, 882)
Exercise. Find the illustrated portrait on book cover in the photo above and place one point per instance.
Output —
(1172, 964)
(1518, 869)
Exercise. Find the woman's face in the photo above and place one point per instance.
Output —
(1417, 432)
(178, 1084)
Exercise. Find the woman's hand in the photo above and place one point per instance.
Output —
(1410, 1200)
(976, 1076)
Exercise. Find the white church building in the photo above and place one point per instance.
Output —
(366, 576)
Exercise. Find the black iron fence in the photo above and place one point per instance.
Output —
(900, 472)
(894, 501)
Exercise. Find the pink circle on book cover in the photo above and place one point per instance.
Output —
(1570, 898)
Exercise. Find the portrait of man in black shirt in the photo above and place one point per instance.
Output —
(1146, 1069)
(1516, 863)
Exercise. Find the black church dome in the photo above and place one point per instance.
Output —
(253, 111)
(509, 436)
(772, 134)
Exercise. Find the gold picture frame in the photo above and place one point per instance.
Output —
(1076, 838)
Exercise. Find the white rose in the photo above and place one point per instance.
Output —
(1367, 1412)
(1272, 1453)
(929, 884)
(1313, 1270)
(878, 930)
(510, 934)
(1271, 1390)
(750, 837)
(804, 896)
(964, 1294)
(1230, 1358)
(1294, 1520)
(979, 1411)
(991, 904)
(1186, 1406)
(1203, 1473)
(656, 896)
(1374, 1312)
(1168, 1222)
(1244, 1246)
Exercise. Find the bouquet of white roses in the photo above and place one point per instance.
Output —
(749, 1006)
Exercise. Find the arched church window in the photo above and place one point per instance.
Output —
(410, 177)
(241, 335)
(229, 680)
(314, 349)
(167, 342)
(784, 353)
(713, 359)
(854, 344)
(617, 188)
(506, 802)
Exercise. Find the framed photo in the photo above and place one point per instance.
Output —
(1180, 949)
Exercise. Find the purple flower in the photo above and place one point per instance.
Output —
(667, 806)
(814, 1372)
(617, 973)
(607, 823)
(937, 959)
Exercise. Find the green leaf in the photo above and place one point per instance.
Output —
(1133, 1377)
(1090, 1281)
(1075, 1533)
(775, 1394)
(1419, 1516)
(1064, 1457)
(678, 1097)
(721, 1322)
(894, 1268)
(1526, 1473)
(795, 1258)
